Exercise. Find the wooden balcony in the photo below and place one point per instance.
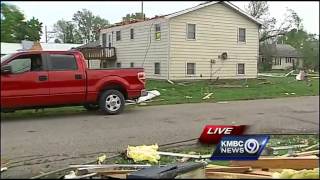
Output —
(101, 53)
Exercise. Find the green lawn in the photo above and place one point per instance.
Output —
(194, 91)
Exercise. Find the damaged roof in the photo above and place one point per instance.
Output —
(202, 5)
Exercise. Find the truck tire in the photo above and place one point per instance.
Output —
(111, 102)
(91, 107)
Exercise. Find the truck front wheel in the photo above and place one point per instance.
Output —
(111, 102)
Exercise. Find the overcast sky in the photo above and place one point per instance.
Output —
(50, 12)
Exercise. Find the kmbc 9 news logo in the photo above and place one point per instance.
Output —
(232, 144)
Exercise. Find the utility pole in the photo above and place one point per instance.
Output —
(142, 10)
(46, 33)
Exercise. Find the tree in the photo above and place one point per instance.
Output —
(88, 24)
(136, 16)
(67, 32)
(33, 30)
(306, 44)
(14, 27)
(269, 31)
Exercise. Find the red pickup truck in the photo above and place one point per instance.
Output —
(38, 79)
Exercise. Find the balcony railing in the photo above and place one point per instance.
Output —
(102, 53)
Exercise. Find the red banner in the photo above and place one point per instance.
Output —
(212, 134)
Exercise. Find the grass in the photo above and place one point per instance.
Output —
(194, 91)
(251, 89)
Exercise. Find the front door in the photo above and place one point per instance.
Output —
(27, 84)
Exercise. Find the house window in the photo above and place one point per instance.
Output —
(191, 68)
(158, 32)
(118, 35)
(118, 64)
(263, 59)
(288, 60)
(132, 64)
(277, 61)
(240, 68)
(104, 39)
(191, 31)
(242, 35)
(157, 68)
(131, 33)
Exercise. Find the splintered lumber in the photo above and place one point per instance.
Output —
(224, 175)
(307, 153)
(289, 147)
(260, 172)
(207, 96)
(310, 147)
(228, 169)
(280, 163)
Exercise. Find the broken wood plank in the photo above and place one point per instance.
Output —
(185, 155)
(307, 153)
(280, 163)
(310, 147)
(289, 147)
(260, 172)
(224, 175)
(207, 96)
(228, 169)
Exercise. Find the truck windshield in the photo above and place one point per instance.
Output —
(5, 57)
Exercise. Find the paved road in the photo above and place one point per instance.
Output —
(85, 133)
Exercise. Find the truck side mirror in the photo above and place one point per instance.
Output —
(6, 69)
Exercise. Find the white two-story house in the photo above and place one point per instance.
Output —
(213, 39)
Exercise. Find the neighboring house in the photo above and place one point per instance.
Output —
(7, 48)
(213, 39)
(283, 56)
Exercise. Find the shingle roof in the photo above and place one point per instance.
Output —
(280, 50)
(90, 44)
(178, 13)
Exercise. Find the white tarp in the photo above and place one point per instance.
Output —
(150, 95)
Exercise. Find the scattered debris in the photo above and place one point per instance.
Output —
(289, 147)
(311, 147)
(301, 76)
(228, 86)
(185, 159)
(280, 163)
(292, 93)
(142, 153)
(188, 97)
(171, 82)
(150, 95)
(166, 172)
(101, 158)
(288, 73)
(108, 166)
(73, 175)
(293, 174)
(4, 169)
(164, 89)
(265, 82)
(207, 96)
(217, 168)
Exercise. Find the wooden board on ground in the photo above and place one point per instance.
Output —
(226, 175)
(228, 169)
(281, 163)
(260, 172)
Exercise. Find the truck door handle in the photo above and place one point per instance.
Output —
(78, 76)
(43, 78)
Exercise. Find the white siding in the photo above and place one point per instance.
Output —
(216, 32)
(135, 50)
